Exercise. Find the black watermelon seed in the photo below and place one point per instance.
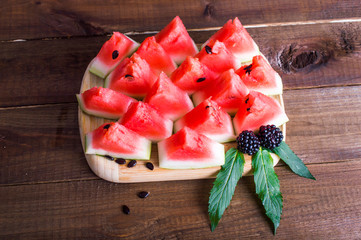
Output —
(208, 106)
(132, 163)
(120, 161)
(106, 126)
(126, 210)
(247, 100)
(248, 109)
(128, 75)
(208, 49)
(201, 79)
(248, 69)
(149, 165)
(143, 194)
(115, 54)
(109, 157)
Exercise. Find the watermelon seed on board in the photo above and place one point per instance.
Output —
(109, 157)
(132, 163)
(149, 165)
(120, 161)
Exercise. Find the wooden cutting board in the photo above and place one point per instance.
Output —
(113, 172)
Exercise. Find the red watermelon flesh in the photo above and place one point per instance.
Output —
(256, 110)
(210, 119)
(188, 149)
(132, 77)
(176, 41)
(217, 57)
(228, 91)
(112, 53)
(171, 101)
(192, 75)
(260, 76)
(116, 140)
(156, 56)
(147, 122)
(237, 40)
(104, 102)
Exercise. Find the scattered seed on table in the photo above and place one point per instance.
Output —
(149, 165)
(132, 163)
(126, 210)
(143, 194)
(120, 161)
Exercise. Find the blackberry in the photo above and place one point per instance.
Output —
(247, 142)
(270, 136)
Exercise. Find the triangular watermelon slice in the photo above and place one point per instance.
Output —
(147, 122)
(256, 110)
(237, 40)
(112, 53)
(171, 101)
(260, 76)
(228, 91)
(156, 56)
(104, 102)
(118, 141)
(217, 57)
(188, 149)
(176, 41)
(192, 75)
(132, 77)
(210, 119)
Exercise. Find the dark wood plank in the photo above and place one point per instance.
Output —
(42, 144)
(38, 72)
(328, 208)
(50, 18)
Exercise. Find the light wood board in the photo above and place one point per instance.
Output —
(113, 172)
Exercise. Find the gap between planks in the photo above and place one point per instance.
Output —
(261, 25)
(95, 178)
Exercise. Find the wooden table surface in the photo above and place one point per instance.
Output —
(47, 189)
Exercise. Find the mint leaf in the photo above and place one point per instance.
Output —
(291, 159)
(267, 186)
(224, 185)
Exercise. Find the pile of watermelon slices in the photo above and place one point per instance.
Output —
(186, 100)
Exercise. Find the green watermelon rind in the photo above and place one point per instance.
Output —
(143, 154)
(94, 112)
(218, 159)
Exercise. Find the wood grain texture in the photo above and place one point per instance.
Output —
(52, 18)
(328, 208)
(113, 172)
(306, 56)
(42, 144)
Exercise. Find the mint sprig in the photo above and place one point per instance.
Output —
(267, 186)
(292, 160)
(225, 185)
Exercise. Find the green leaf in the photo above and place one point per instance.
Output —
(224, 185)
(267, 186)
(291, 159)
